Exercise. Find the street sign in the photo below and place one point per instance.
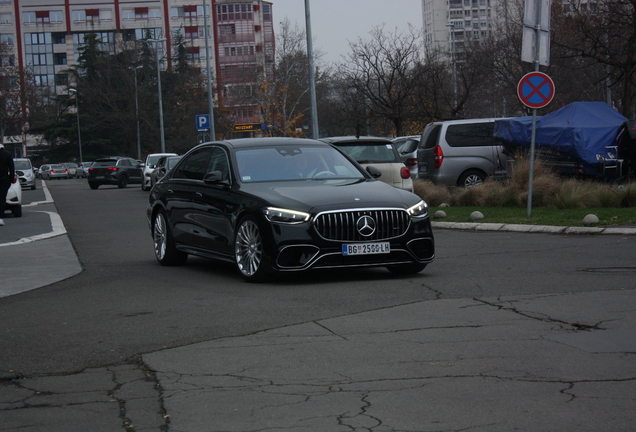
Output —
(535, 90)
(535, 44)
(203, 122)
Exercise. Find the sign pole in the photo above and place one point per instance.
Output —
(534, 111)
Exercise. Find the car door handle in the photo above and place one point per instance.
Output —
(198, 194)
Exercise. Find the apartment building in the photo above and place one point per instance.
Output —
(44, 37)
(449, 24)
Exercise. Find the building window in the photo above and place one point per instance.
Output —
(267, 12)
(79, 15)
(59, 58)
(42, 17)
(58, 38)
(193, 53)
(61, 79)
(141, 13)
(191, 32)
(7, 61)
(28, 17)
(7, 39)
(37, 60)
(39, 38)
(92, 14)
(234, 12)
(190, 11)
(56, 16)
(227, 29)
(6, 18)
(43, 80)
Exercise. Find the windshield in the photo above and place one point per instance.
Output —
(151, 161)
(294, 163)
(22, 165)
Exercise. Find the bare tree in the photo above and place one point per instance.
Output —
(381, 70)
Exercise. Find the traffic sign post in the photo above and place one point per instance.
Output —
(535, 90)
(203, 122)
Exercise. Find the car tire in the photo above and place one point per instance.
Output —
(17, 211)
(123, 182)
(93, 185)
(143, 185)
(165, 250)
(471, 178)
(406, 269)
(249, 254)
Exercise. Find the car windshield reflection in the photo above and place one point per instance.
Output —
(294, 163)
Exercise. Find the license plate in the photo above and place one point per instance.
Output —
(366, 248)
(99, 177)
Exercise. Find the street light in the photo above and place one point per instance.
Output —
(451, 29)
(79, 135)
(137, 115)
(163, 139)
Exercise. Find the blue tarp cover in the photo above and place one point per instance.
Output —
(581, 130)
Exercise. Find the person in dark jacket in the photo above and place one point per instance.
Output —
(7, 173)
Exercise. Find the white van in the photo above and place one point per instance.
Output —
(461, 153)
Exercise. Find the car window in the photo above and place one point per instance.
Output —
(22, 164)
(470, 134)
(104, 163)
(194, 166)
(124, 162)
(218, 162)
(371, 152)
(293, 163)
(409, 146)
(430, 136)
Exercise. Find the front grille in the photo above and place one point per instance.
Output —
(341, 226)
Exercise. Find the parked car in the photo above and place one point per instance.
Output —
(42, 169)
(165, 164)
(72, 169)
(149, 166)
(24, 170)
(378, 152)
(84, 166)
(55, 171)
(461, 153)
(116, 170)
(14, 198)
(244, 201)
(407, 148)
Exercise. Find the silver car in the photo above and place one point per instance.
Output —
(24, 170)
(461, 153)
(407, 148)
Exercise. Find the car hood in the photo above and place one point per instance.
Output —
(317, 196)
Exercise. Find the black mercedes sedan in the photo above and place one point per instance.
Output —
(282, 205)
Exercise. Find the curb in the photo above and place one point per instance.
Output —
(475, 226)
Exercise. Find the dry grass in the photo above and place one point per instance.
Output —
(548, 189)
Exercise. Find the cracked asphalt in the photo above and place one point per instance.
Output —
(555, 360)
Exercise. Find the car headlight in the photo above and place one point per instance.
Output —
(279, 215)
(419, 210)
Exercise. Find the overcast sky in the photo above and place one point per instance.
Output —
(336, 22)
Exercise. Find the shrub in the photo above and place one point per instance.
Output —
(433, 194)
(627, 195)
(572, 194)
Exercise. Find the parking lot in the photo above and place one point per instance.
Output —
(504, 331)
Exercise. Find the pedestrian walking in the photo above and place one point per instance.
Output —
(7, 173)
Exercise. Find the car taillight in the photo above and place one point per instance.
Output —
(411, 162)
(91, 169)
(439, 156)
(113, 168)
(405, 172)
(15, 179)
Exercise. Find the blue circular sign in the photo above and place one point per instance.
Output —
(535, 89)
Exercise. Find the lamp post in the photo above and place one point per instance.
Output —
(79, 134)
(137, 115)
(451, 29)
(163, 139)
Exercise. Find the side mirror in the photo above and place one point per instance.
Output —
(214, 177)
(375, 173)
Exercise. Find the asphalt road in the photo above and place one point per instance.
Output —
(504, 331)
(124, 304)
